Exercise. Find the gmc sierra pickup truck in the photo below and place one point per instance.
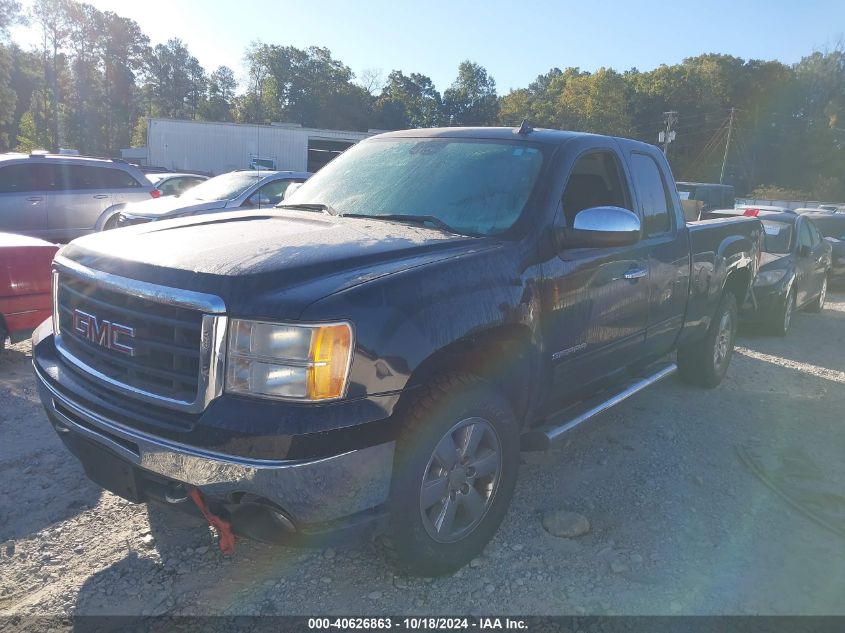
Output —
(372, 355)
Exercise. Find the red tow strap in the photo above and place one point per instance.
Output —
(225, 537)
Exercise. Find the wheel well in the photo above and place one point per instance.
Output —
(738, 283)
(502, 355)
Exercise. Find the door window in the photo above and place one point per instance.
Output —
(655, 202)
(814, 234)
(28, 177)
(18, 178)
(804, 237)
(595, 181)
(116, 179)
(273, 192)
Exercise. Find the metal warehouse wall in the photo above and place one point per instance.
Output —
(216, 148)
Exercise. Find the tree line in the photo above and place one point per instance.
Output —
(95, 78)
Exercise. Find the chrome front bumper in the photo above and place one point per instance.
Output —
(312, 491)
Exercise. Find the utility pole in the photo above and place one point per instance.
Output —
(727, 146)
(668, 134)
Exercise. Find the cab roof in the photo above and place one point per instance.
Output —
(536, 135)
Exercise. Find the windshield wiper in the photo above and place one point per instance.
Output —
(311, 206)
(414, 219)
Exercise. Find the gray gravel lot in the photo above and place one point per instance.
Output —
(729, 501)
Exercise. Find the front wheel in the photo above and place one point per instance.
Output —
(705, 362)
(818, 304)
(782, 320)
(454, 473)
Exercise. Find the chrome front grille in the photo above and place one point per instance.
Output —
(155, 343)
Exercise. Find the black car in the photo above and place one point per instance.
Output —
(832, 228)
(793, 271)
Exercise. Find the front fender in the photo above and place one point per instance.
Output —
(403, 319)
(106, 215)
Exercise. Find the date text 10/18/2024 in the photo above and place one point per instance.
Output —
(415, 624)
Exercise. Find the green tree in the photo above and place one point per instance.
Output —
(218, 102)
(415, 97)
(471, 99)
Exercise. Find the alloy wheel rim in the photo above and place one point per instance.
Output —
(787, 313)
(823, 293)
(723, 339)
(460, 480)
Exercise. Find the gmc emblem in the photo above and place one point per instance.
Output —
(105, 333)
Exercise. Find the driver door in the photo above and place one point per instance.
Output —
(597, 297)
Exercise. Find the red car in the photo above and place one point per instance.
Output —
(25, 297)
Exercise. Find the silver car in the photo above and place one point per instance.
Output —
(59, 198)
(246, 189)
(170, 184)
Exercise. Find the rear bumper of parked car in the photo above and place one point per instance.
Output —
(337, 495)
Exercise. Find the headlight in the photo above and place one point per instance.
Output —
(769, 277)
(291, 362)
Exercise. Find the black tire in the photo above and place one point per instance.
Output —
(701, 363)
(818, 304)
(780, 322)
(458, 406)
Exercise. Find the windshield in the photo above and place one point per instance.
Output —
(477, 187)
(778, 237)
(225, 187)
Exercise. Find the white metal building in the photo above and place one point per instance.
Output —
(216, 148)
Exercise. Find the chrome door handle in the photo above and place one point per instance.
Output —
(635, 273)
(100, 196)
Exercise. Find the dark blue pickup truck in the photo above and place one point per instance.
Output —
(373, 354)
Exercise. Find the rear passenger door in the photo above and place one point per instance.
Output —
(23, 199)
(805, 264)
(78, 200)
(818, 256)
(668, 252)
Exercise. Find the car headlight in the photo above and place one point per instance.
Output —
(290, 362)
(769, 277)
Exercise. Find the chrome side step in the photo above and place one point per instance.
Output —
(541, 438)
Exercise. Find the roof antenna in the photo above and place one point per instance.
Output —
(524, 128)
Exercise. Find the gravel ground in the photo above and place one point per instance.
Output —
(700, 502)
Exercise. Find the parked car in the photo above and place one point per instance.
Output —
(246, 189)
(175, 184)
(711, 195)
(59, 198)
(793, 272)
(372, 356)
(750, 211)
(815, 210)
(832, 229)
(25, 297)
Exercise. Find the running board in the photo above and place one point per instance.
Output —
(541, 438)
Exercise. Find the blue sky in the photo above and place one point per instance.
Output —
(515, 41)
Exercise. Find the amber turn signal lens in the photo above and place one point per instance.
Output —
(331, 348)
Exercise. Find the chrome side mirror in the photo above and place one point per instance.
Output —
(598, 227)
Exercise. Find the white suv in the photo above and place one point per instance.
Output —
(59, 198)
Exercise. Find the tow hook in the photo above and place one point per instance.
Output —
(225, 536)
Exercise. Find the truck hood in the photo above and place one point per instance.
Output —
(160, 208)
(267, 263)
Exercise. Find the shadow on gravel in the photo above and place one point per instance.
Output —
(116, 591)
(175, 529)
(43, 484)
